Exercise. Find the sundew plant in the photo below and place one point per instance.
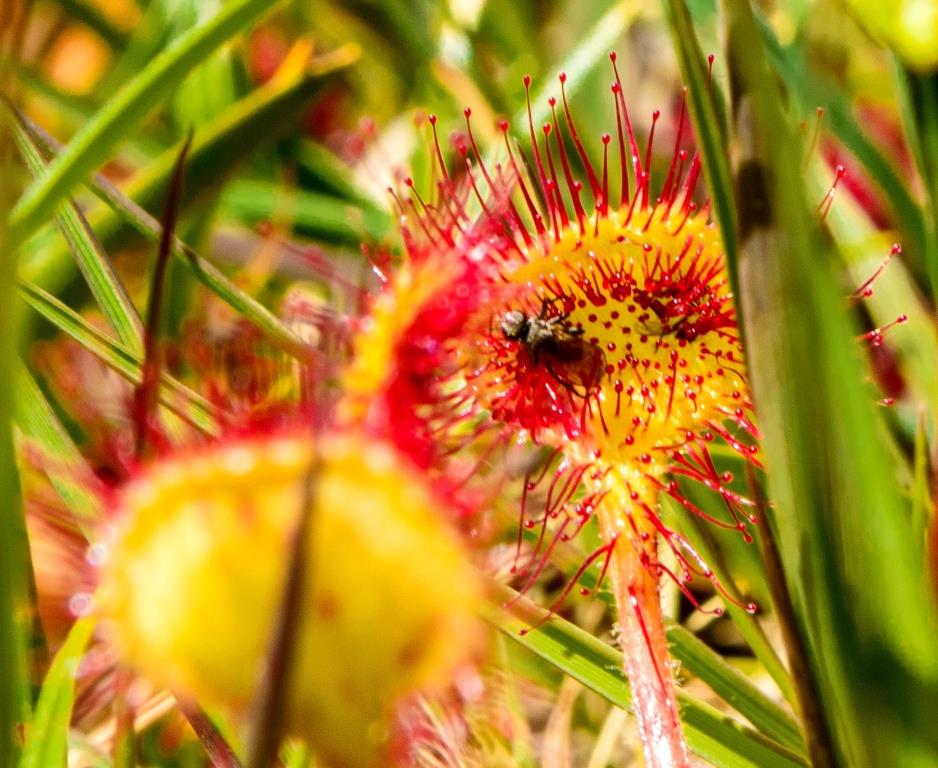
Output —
(468, 384)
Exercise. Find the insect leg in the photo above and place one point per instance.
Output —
(561, 381)
(545, 303)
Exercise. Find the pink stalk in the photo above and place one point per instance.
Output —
(645, 648)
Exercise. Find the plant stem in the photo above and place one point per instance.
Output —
(218, 751)
(15, 565)
(271, 701)
(817, 736)
(644, 645)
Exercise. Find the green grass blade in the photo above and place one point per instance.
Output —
(218, 146)
(863, 247)
(314, 215)
(215, 148)
(810, 91)
(150, 34)
(923, 508)
(17, 606)
(105, 286)
(94, 264)
(586, 56)
(208, 274)
(126, 109)
(918, 97)
(710, 734)
(696, 532)
(47, 739)
(295, 755)
(708, 116)
(37, 422)
(89, 15)
(735, 689)
(14, 548)
(330, 174)
(188, 405)
(841, 525)
(211, 87)
(70, 110)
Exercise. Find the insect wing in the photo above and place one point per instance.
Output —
(576, 362)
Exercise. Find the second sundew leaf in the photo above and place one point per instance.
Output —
(93, 262)
(864, 610)
(47, 738)
(95, 141)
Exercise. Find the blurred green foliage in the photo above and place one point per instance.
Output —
(302, 114)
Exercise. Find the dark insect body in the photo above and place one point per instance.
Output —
(558, 346)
